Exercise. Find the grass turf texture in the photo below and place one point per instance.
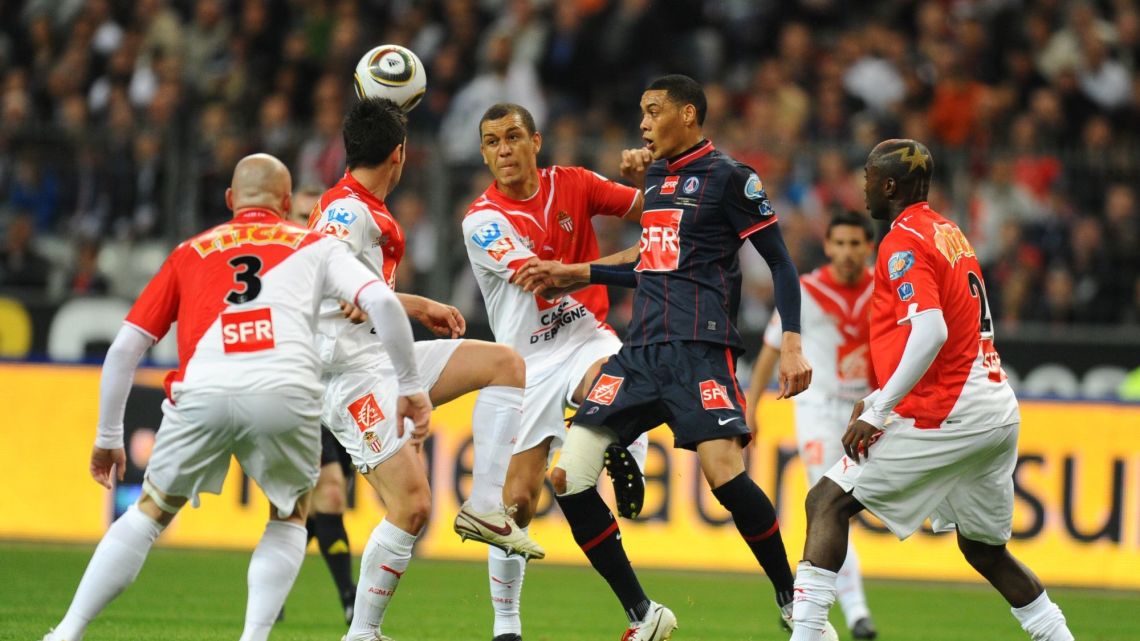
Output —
(200, 595)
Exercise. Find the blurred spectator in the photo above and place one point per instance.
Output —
(505, 79)
(85, 279)
(21, 266)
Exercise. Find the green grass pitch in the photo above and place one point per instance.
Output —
(200, 596)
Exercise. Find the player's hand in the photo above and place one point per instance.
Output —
(415, 408)
(795, 370)
(104, 463)
(856, 412)
(352, 312)
(442, 320)
(859, 438)
(634, 163)
(549, 278)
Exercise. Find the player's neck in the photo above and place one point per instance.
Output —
(687, 145)
(377, 180)
(524, 190)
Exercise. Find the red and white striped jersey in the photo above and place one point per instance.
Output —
(245, 296)
(925, 262)
(351, 213)
(835, 319)
(501, 233)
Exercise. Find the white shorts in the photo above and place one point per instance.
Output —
(550, 390)
(275, 436)
(962, 478)
(360, 404)
(819, 434)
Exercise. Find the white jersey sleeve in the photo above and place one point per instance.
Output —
(346, 278)
(115, 384)
(493, 245)
(346, 219)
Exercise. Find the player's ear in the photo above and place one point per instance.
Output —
(229, 199)
(689, 115)
(286, 205)
(890, 187)
(537, 138)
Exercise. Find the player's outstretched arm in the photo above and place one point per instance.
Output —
(107, 456)
(442, 320)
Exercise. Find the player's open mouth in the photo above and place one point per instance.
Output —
(648, 144)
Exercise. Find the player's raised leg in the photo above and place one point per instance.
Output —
(117, 561)
(401, 482)
(596, 530)
(499, 373)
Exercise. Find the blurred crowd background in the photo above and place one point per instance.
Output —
(121, 120)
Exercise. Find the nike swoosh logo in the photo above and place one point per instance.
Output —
(726, 421)
(501, 530)
(649, 189)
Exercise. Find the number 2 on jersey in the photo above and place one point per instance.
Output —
(247, 279)
(978, 290)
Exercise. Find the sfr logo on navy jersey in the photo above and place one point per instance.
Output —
(670, 185)
(660, 245)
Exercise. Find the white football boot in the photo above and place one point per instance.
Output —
(497, 528)
(658, 625)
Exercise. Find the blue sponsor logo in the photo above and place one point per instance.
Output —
(900, 263)
(486, 235)
(341, 215)
(691, 185)
(754, 189)
(906, 291)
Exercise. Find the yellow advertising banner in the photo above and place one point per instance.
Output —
(1076, 522)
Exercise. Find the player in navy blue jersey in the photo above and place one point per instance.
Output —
(677, 364)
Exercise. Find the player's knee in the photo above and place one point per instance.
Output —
(980, 556)
(329, 498)
(825, 497)
(508, 367)
(412, 512)
(558, 480)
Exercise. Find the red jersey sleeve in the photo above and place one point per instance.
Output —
(909, 270)
(157, 307)
(604, 196)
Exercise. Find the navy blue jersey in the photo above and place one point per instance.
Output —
(699, 209)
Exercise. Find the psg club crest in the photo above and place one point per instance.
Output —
(565, 222)
(691, 185)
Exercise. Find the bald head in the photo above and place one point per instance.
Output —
(898, 175)
(260, 180)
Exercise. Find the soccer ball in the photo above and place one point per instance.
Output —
(392, 72)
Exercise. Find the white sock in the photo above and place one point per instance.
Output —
(113, 567)
(272, 570)
(384, 561)
(640, 449)
(815, 592)
(1043, 620)
(495, 426)
(849, 586)
(506, 577)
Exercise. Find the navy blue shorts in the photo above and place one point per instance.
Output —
(689, 385)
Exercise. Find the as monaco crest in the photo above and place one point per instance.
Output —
(565, 222)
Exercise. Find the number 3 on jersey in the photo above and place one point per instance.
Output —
(247, 277)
